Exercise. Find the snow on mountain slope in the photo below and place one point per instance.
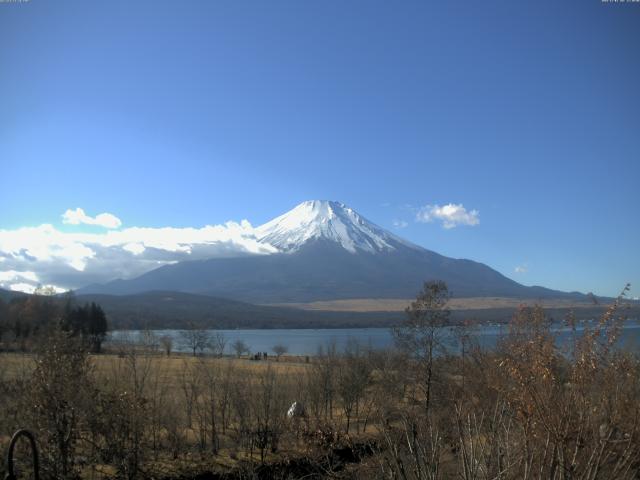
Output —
(334, 221)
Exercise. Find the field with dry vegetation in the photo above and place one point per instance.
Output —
(529, 409)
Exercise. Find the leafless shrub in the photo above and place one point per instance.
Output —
(240, 348)
(280, 349)
(59, 395)
(123, 413)
(572, 414)
(413, 450)
(354, 376)
(217, 344)
(166, 343)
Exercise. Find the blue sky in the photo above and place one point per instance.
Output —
(193, 113)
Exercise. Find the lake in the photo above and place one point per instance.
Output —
(307, 341)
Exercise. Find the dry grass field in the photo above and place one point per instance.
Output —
(530, 404)
(20, 365)
(399, 304)
(178, 402)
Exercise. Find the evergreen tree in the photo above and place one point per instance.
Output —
(96, 327)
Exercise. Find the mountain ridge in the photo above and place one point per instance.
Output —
(326, 251)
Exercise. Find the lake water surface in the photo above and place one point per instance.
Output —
(308, 341)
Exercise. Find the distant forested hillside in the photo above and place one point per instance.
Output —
(157, 310)
(175, 310)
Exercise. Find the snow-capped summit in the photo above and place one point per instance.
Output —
(322, 219)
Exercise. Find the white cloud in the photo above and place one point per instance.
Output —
(135, 248)
(521, 269)
(11, 275)
(22, 287)
(451, 215)
(77, 217)
(400, 224)
(45, 255)
(24, 281)
(30, 288)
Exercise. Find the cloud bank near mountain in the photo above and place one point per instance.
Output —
(48, 255)
(86, 249)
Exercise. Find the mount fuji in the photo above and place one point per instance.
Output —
(332, 221)
(326, 251)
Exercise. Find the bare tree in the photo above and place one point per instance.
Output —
(166, 342)
(208, 406)
(190, 385)
(227, 376)
(159, 405)
(354, 376)
(420, 333)
(125, 412)
(239, 347)
(217, 344)
(195, 339)
(412, 451)
(265, 408)
(149, 341)
(60, 392)
(280, 349)
(324, 378)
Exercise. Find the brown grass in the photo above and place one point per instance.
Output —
(399, 304)
(20, 365)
